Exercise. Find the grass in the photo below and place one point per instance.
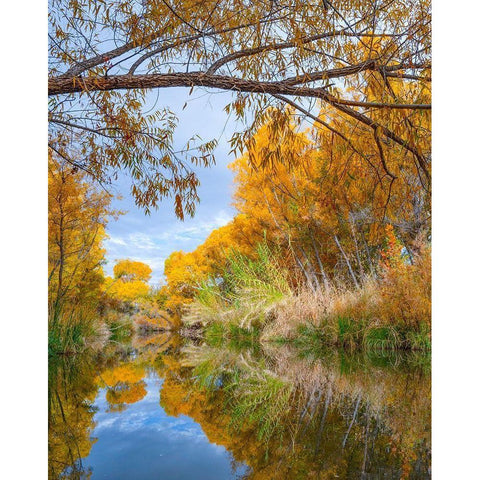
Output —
(66, 339)
(382, 338)
(70, 332)
(391, 312)
(421, 339)
(247, 295)
(217, 334)
(350, 334)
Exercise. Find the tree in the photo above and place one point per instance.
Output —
(185, 272)
(106, 56)
(77, 217)
(128, 271)
(327, 209)
(130, 280)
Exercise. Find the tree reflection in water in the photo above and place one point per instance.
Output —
(335, 416)
(284, 413)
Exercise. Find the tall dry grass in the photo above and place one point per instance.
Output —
(390, 311)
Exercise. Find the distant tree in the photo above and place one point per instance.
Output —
(130, 280)
(128, 270)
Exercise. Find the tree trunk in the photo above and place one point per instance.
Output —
(326, 283)
(357, 251)
(347, 261)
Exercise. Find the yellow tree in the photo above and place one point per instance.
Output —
(77, 217)
(130, 280)
(330, 200)
(185, 272)
(129, 270)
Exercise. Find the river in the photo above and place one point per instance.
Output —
(162, 407)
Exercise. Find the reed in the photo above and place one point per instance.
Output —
(72, 331)
(247, 294)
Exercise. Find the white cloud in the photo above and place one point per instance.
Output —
(115, 241)
(139, 240)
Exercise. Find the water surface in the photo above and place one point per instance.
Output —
(163, 408)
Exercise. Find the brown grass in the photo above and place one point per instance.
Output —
(398, 300)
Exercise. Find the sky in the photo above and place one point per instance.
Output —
(151, 239)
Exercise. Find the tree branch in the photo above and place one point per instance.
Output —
(62, 85)
(284, 45)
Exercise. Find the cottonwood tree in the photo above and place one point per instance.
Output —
(367, 60)
(77, 218)
(327, 221)
(130, 280)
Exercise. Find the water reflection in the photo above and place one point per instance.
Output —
(160, 409)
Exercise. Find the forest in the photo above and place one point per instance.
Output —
(328, 253)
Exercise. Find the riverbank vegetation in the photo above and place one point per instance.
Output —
(331, 237)
(85, 307)
(322, 246)
(77, 218)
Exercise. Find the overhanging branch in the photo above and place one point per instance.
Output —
(64, 85)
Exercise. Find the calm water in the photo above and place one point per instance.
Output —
(161, 408)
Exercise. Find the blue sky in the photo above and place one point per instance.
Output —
(151, 239)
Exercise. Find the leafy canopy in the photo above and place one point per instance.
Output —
(130, 281)
(129, 270)
(368, 60)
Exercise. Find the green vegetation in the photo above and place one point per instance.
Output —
(71, 332)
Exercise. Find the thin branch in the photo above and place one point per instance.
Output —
(282, 46)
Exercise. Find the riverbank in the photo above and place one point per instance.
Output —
(390, 311)
(72, 332)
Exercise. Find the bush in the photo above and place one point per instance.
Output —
(405, 290)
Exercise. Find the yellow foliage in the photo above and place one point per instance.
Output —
(77, 217)
(127, 291)
(129, 284)
(406, 289)
(128, 270)
(326, 207)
